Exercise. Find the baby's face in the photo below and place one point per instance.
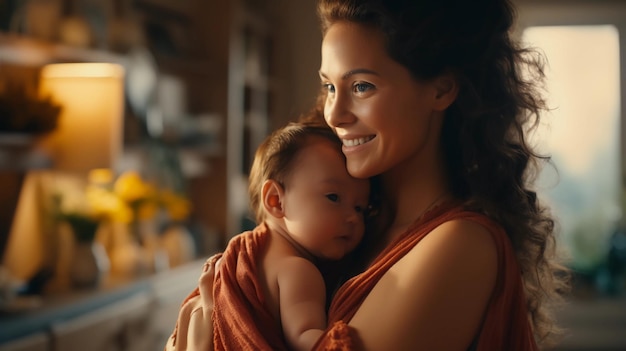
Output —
(323, 205)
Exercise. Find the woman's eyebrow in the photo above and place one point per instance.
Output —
(352, 72)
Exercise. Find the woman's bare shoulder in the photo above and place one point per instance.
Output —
(439, 291)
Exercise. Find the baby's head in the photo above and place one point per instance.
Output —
(299, 177)
(274, 158)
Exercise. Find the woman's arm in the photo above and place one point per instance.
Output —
(435, 297)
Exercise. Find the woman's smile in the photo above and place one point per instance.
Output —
(357, 141)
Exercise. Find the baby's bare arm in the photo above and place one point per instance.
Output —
(302, 303)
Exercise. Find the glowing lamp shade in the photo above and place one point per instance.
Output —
(89, 130)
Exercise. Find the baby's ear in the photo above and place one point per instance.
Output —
(272, 195)
(447, 89)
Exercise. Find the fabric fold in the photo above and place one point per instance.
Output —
(250, 326)
(506, 325)
(241, 320)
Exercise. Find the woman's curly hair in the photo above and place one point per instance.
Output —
(489, 160)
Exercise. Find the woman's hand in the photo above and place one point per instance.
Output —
(194, 327)
(200, 335)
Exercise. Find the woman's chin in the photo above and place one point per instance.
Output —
(359, 169)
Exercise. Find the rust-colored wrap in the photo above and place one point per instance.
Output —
(506, 325)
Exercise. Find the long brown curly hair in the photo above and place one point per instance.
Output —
(489, 160)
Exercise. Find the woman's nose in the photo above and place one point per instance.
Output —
(336, 111)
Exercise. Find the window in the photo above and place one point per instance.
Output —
(582, 134)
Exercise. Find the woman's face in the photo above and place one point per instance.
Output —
(385, 118)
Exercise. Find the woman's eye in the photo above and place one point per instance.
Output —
(328, 87)
(332, 197)
(359, 209)
(362, 87)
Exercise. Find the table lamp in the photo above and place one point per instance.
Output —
(88, 136)
(89, 133)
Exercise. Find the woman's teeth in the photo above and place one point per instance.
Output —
(358, 141)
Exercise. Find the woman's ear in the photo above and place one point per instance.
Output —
(446, 91)
(272, 195)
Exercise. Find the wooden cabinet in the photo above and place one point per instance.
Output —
(232, 58)
(250, 91)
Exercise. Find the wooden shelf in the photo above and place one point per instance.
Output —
(21, 50)
(185, 66)
(19, 152)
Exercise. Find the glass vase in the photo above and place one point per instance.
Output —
(90, 264)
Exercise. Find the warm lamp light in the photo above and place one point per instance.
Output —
(89, 131)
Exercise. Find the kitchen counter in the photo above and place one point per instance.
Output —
(158, 296)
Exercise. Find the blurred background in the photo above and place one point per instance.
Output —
(127, 129)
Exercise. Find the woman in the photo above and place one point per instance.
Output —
(434, 99)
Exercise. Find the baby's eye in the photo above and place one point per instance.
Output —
(359, 209)
(362, 87)
(332, 197)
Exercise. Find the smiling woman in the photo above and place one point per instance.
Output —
(431, 103)
(361, 80)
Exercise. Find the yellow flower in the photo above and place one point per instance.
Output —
(177, 206)
(105, 204)
(131, 188)
(147, 210)
(101, 176)
(126, 199)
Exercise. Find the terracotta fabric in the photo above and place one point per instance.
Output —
(506, 326)
(241, 320)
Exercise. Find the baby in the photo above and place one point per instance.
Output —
(309, 210)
